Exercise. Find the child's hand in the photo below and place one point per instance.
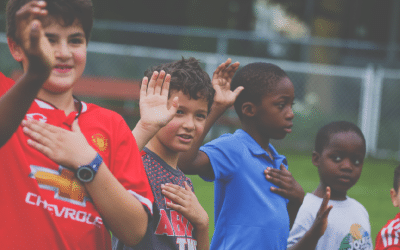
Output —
(221, 82)
(288, 186)
(33, 40)
(154, 112)
(321, 221)
(67, 148)
(186, 203)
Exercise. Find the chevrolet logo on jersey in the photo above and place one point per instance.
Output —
(63, 182)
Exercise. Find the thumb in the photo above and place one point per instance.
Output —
(34, 34)
(75, 126)
(187, 187)
(174, 105)
(238, 90)
(283, 168)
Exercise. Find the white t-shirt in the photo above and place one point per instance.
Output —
(348, 224)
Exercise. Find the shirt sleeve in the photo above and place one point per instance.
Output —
(5, 84)
(302, 224)
(127, 166)
(222, 158)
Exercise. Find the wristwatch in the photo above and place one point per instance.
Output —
(86, 173)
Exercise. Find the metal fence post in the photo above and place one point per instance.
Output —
(366, 114)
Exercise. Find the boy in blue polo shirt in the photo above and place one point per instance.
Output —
(250, 211)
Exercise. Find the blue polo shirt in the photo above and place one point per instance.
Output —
(247, 214)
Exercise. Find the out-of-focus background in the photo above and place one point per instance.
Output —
(342, 56)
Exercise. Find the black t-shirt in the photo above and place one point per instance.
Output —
(168, 229)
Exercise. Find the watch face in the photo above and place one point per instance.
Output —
(85, 174)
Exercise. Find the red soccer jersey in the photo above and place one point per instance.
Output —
(389, 235)
(43, 205)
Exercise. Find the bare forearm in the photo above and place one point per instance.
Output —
(123, 214)
(143, 133)
(203, 242)
(16, 102)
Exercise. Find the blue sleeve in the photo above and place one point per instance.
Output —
(222, 158)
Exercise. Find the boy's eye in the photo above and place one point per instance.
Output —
(76, 41)
(179, 112)
(356, 161)
(51, 40)
(201, 116)
(336, 158)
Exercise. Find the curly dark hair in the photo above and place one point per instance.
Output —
(325, 133)
(67, 10)
(187, 76)
(258, 79)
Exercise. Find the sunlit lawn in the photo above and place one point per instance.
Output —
(372, 190)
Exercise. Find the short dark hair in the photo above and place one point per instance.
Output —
(396, 179)
(258, 79)
(325, 133)
(187, 76)
(67, 10)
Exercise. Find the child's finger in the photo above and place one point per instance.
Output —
(165, 86)
(152, 83)
(159, 83)
(173, 197)
(280, 191)
(143, 88)
(40, 147)
(175, 207)
(174, 105)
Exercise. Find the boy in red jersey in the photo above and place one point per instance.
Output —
(73, 202)
(16, 102)
(388, 237)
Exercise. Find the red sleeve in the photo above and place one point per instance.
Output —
(5, 84)
(389, 236)
(127, 167)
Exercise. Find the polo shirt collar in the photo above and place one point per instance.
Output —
(256, 149)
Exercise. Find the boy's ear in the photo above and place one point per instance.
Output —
(15, 49)
(315, 158)
(249, 109)
(395, 200)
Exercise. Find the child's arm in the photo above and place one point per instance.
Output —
(36, 47)
(186, 203)
(123, 214)
(197, 162)
(154, 110)
(288, 188)
(311, 237)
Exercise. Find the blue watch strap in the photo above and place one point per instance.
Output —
(95, 164)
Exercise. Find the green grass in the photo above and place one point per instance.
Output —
(372, 189)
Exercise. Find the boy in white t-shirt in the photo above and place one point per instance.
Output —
(339, 155)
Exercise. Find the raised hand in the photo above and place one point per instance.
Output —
(321, 221)
(67, 148)
(186, 203)
(31, 37)
(288, 187)
(154, 110)
(221, 81)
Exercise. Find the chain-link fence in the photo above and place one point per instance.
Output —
(365, 96)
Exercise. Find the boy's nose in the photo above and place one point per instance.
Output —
(62, 51)
(346, 165)
(189, 124)
(290, 114)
